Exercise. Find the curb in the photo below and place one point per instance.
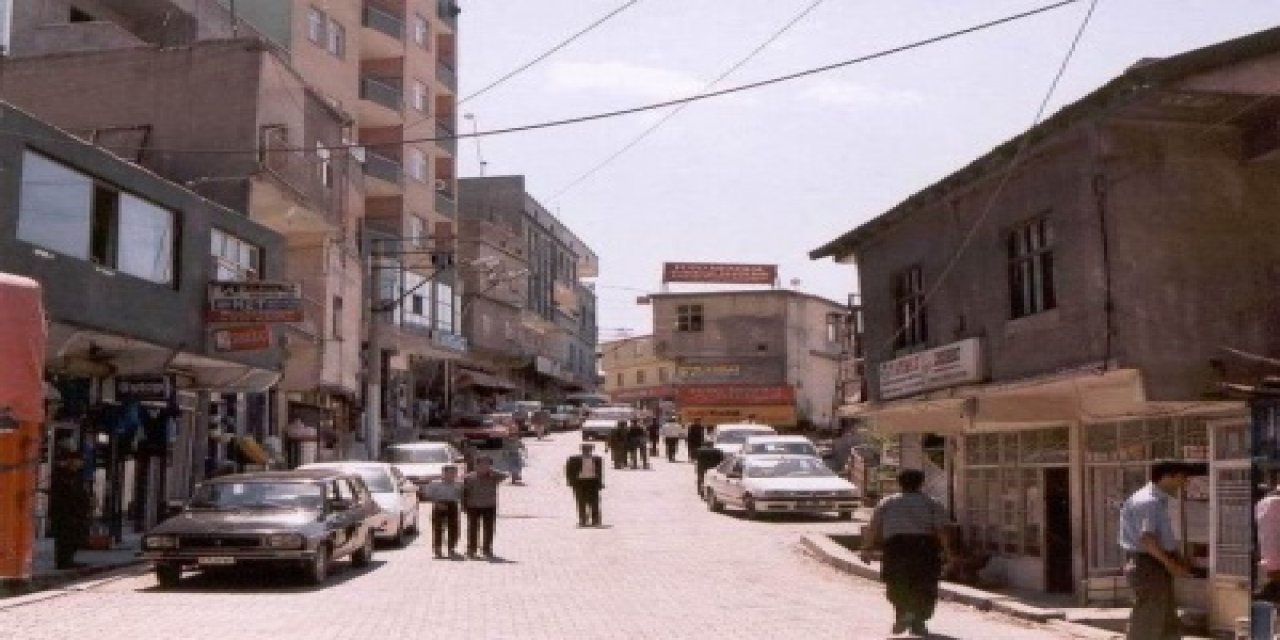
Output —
(833, 554)
(15, 592)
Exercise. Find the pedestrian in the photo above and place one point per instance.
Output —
(708, 457)
(69, 510)
(655, 434)
(541, 419)
(468, 455)
(480, 500)
(672, 433)
(1152, 560)
(616, 444)
(513, 454)
(908, 528)
(693, 439)
(637, 444)
(444, 495)
(1267, 514)
(842, 451)
(585, 474)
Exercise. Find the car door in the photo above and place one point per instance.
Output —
(408, 499)
(717, 479)
(733, 486)
(347, 521)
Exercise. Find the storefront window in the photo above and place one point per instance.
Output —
(1004, 501)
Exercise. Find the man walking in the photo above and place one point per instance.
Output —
(70, 509)
(908, 528)
(480, 500)
(655, 433)
(637, 444)
(444, 495)
(1152, 560)
(616, 444)
(541, 420)
(672, 433)
(694, 438)
(585, 474)
(707, 457)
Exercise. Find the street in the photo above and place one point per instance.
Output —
(664, 567)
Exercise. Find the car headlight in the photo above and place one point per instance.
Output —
(160, 541)
(285, 541)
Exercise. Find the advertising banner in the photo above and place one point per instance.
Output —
(945, 366)
(248, 302)
(711, 395)
(695, 372)
(772, 415)
(719, 273)
(254, 337)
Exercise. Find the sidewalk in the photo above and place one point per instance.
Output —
(45, 576)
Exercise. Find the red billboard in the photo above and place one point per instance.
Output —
(719, 273)
(711, 395)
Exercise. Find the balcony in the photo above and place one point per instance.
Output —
(295, 182)
(381, 102)
(385, 35)
(445, 139)
(446, 75)
(387, 174)
(445, 204)
(448, 11)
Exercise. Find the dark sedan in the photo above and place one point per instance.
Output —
(304, 519)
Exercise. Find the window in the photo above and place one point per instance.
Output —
(1031, 269)
(833, 327)
(418, 165)
(417, 305)
(663, 375)
(324, 166)
(335, 323)
(1004, 496)
(639, 376)
(419, 97)
(689, 317)
(66, 211)
(234, 259)
(909, 312)
(417, 231)
(444, 308)
(421, 30)
(337, 39)
(316, 22)
(620, 380)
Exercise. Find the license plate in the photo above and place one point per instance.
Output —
(215, 561)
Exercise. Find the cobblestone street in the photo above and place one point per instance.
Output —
(663, 568)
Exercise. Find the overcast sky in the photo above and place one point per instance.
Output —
(769, 175)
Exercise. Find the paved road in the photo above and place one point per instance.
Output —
(665, 568)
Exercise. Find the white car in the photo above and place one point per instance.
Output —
(779, 484)
(779, 445)
(396, 496)
(729, 438)
(423, 462)
(602, 420)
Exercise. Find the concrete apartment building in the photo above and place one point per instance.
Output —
(292, 82)
(634, 373)
(775, 353)
(1083, 333)
(529, 309)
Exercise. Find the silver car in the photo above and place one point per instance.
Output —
(396, 496)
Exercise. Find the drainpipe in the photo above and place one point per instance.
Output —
(1099, 190)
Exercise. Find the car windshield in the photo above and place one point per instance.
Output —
(734, 437)
(803, 448)
(377, 479)
(612, 414)
(434, 455)
(790, 468)
(258, 495)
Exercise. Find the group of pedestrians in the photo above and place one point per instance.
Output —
(631, 442)
(476, 495)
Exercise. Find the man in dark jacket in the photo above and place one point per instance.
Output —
(585, 474)
(69, 510)
(655, 434)
(637, 444)
(616, 444)
(708, 457)
(694, 438)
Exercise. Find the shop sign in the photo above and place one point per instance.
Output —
(734, 394)
(643, 393)
(772, 415)
(719, 273)
(255, 302)
(151, 388)
(450, 341)
(706, 371)
(247, 338)
(946, 366)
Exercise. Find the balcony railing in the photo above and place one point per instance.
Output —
(446, 75)
(383, 168)
(383, 91)
(306, 174)
(383, 22)
(444, 137)
(448, 11)
(445, 204)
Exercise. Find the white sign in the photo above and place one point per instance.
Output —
(946, 366)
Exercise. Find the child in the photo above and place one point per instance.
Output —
(445, 495)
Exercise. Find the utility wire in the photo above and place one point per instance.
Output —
(676, 111)
(649, 107)
(1007, 172)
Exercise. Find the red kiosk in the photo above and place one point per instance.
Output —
(23, 333)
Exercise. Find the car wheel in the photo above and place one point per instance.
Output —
(713, 505)
(846, 515)
(318, 568)
(413, 528)
(402, 535)
(168, 575)
(750, 506)
(364, 555)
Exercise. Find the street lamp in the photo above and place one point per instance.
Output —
(475, 128)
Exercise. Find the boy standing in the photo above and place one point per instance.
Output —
(445, 494)
(480, 499)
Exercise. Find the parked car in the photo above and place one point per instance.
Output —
(779, 484)
(395, 494)
(564, 418)
(487, 432)
(602, 420)
(304, 519)
(423, 462)
(522, 411)
(780, 444)
(729, 438)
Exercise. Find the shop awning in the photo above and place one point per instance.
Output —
(484, 380)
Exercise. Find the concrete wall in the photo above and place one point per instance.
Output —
(813, 360)
(746, 330)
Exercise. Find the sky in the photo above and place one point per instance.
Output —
(768, 175)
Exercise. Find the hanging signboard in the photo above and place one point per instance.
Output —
(719, 273)
(246, 302)
(946, 366)
(255, 337)
(710, 395)
(696, 372)
(146, 388)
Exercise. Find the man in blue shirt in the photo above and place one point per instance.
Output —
(1152, 560)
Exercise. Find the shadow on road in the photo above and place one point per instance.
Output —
(263, 579)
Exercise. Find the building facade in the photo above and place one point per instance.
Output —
(634, 373)
(1091, 286)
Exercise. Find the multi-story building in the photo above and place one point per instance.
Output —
(529, 311)
(634, 373)
(772, 353)
(1064, 311)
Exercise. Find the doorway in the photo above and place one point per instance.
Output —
(1057, 510)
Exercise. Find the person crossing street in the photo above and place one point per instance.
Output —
(672, 433)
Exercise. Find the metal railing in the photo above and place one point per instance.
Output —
(306, 174)
(383, 22)
(448, 11)
(446, 75)
(445, 204)
(383, 168)
(383, 92)
(445, 139)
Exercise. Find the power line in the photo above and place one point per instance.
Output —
(676, 111)
(1004, 181)
(648, 107)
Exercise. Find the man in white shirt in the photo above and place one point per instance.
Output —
(585, 474)
(672, 433)
(444, 495)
